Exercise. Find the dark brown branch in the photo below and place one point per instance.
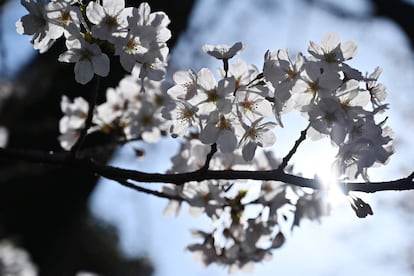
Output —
(209, 157)
(140, 189)
(115, 173)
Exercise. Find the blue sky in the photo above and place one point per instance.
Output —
(340, 244)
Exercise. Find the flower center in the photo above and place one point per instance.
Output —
(65, 17)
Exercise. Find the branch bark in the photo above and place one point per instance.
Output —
(117, 174)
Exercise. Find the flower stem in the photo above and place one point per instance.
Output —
(209, 157)
(293, 150)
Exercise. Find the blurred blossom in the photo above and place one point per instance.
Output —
(15, 261)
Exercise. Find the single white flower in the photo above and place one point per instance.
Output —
(112, 109)
(144, 123)
(203, 197)
(211, 95)
(66, 17)
(314, 83)
(332, 50)
(182, 114)
(257, 134)
(185, 85)
(252, 105)
(38, 24)
(153, 71)
(368, 144)
(242, 73)
(223, 51)
(220, 129)
(88, 58)
(71, 124)
(328, 117)
(378, 91)
(110, 18)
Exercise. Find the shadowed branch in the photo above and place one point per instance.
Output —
(117, 174)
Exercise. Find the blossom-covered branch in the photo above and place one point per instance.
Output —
(115, 173)
(223, 122)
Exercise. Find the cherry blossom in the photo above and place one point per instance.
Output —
(204, 197)
(183, 116)
(220, 129)
(73, 121)
(377, 90)
(4, 136)
(67, 17)
(242, 73)
(37, 24)
(332, 50)
(221, 121)
(213, 95)
(110, 18)
(252, 106)
(88, 58)
(257, 135)
(282, 72)
(185, 85)
(369, 144)
(15, 260)
(223, 51)
(112, 110)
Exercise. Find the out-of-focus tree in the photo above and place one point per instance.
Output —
(44, 208)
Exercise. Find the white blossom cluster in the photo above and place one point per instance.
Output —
(136, 35)
(333, 97)
(15, 261)
(247, 224)
(234, 111)
(128, 113)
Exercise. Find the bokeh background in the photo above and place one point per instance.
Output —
(69, 221)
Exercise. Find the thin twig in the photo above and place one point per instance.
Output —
(140, 189)
(293, 150)
(209, 157)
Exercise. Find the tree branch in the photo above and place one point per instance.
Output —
(140, 189)
(293, 150)
(68, 160)
(209, 157)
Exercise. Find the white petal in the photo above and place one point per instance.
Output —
(183, 77)
(95, 12)
(113, 7)
(330, 41)
(83, 71)
(227, 141)
(69, 56)
(248, 151)
(127, 62)
(101, 65)
(349, 49)
(206, 79)
(268, 138)
(209, 134)
(28, 25)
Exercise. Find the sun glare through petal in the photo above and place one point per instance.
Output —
(316, 162)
